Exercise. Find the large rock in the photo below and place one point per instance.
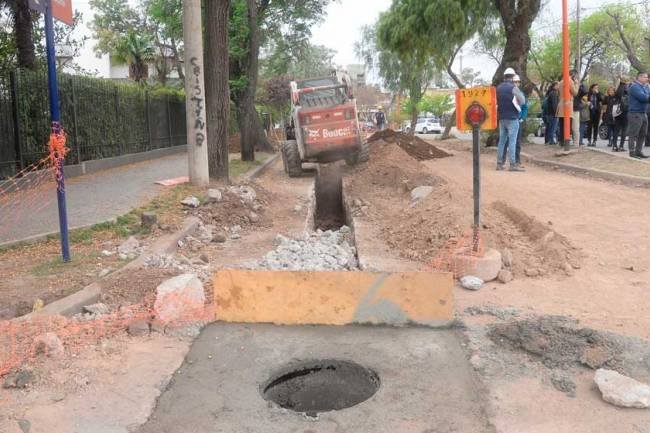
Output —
(621, 390)
(471, 283)
(485, 267)
(214, 195)
(129, 246)
(180, 299)
(420, 193)
(49, 344)
(191, 201)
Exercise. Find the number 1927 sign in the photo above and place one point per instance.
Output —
(61, 9)
(486, 97)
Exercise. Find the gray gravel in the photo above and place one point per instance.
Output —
(319, 251)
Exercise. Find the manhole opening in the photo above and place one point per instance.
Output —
(329, 211)
(321, 386)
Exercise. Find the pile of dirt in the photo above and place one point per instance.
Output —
(241, 207)
(417, 230)
(130, 288)
(414, 146)
(557, 342)
(536, 248)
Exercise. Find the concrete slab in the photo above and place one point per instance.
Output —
(427, 384)
(334, 298)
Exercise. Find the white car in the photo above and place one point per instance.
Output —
(426, 125)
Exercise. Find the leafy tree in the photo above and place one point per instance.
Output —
(136, 50)
(306, 60)
(469, 76)
(159, 20)
(437, 105)
(255, 23)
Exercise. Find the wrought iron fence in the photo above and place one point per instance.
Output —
(102, 119)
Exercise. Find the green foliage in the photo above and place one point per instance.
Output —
(111, 117)
(238, 49)
(118, 25)
(308, 61)
(436, 104)
(136, 50)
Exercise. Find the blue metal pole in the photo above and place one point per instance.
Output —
(56, 128)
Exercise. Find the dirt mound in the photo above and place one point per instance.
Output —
(414, 146)
(536, 248)
(390, 167)
(129, 288)
(558, 342)
(384, 185)
(244, 206)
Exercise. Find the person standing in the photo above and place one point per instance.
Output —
(595, 113)
(509, 101)
(523, 114)
(620, 114)
(585, 115)
(609, 102)
(380, 119)
(639, 97)
(574, 87)
(550, 114)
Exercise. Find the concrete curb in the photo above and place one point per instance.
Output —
(74, 303)
(625, 179)
(257, 171)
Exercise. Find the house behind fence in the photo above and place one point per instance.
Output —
(102, 119)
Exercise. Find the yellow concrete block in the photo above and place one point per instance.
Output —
(334, 298)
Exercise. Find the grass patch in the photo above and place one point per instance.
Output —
(237, 167)
(57, 265)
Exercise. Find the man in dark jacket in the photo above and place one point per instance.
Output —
(552, 99)
(637, 119)
(509, 102)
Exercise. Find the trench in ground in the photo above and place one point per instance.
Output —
(329, 211)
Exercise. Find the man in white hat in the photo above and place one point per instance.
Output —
(509, 102)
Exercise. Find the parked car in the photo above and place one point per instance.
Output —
(425, 125)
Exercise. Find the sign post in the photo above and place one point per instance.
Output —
(476, 110)
(62, 10)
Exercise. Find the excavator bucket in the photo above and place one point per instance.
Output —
(334, 298)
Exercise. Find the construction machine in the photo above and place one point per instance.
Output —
(324, 126)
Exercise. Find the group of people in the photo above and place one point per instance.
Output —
(623, 108)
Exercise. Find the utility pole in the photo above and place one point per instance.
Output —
(197, 145)
(578, 50)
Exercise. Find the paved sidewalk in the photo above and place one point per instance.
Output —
(92, 199)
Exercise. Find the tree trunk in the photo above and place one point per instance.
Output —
(516, 22)
(446, 134)
(217, 92)
(23, 29)
(250, 127)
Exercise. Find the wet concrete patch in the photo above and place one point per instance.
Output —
(427, 383)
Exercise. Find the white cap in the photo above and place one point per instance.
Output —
(516, 78)
(509, 71)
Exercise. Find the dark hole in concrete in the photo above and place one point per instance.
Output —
(330, 213)
(321, 386)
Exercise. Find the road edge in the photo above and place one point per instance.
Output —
(625, 179)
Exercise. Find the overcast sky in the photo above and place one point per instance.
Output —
(341, 28)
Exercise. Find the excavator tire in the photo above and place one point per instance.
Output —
(291, 158)
(363, 155)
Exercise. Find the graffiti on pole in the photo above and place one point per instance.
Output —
(198, 98)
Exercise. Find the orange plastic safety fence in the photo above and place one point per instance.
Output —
(459, 254)
(21, 339)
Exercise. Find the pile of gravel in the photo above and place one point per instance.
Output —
(319, 251)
